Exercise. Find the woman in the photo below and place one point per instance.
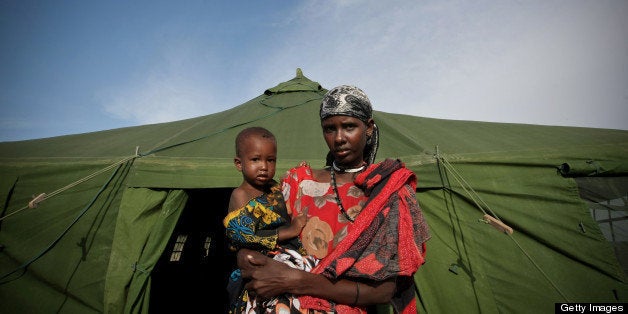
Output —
(364, 223)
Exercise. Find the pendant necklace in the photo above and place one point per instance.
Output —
(335, 187)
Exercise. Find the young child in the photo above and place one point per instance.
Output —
(257, 217)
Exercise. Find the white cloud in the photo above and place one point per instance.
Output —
(556, 63)
(158, 99)
(523, 62)
(166, 91)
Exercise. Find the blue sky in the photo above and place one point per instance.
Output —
(70, 67)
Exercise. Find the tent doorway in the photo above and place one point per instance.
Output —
(196, 260)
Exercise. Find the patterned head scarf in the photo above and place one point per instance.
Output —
(346, 100)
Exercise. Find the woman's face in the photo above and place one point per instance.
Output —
(346, 138)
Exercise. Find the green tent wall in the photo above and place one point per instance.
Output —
(114, 198)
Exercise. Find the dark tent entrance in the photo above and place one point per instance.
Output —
(192, 272)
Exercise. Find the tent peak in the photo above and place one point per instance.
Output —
(298, 84)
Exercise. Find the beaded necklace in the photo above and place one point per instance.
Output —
(335, 187)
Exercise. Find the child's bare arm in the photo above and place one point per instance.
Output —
(294, 229)
(238, 199)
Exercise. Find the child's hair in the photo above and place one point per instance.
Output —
(255, 131)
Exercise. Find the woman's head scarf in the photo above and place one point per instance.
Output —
(346, 100)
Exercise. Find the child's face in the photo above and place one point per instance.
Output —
(257, 161)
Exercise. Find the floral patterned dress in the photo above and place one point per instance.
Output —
(326, 225)
(386, 239)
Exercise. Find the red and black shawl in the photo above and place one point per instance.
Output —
(390, 216)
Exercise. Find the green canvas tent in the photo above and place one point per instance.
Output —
(112, 231)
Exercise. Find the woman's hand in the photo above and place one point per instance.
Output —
(267, 278)
(264, 276)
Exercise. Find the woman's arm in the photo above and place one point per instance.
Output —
(269, 278)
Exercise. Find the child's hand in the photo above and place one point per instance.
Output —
(294, 229)
(299, 222)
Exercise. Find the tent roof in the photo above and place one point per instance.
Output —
(201, 148)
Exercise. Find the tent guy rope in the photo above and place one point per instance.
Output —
(492, 219)
(25, 265)
(44, 196)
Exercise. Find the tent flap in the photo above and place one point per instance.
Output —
(146, 221)
(593, 168)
